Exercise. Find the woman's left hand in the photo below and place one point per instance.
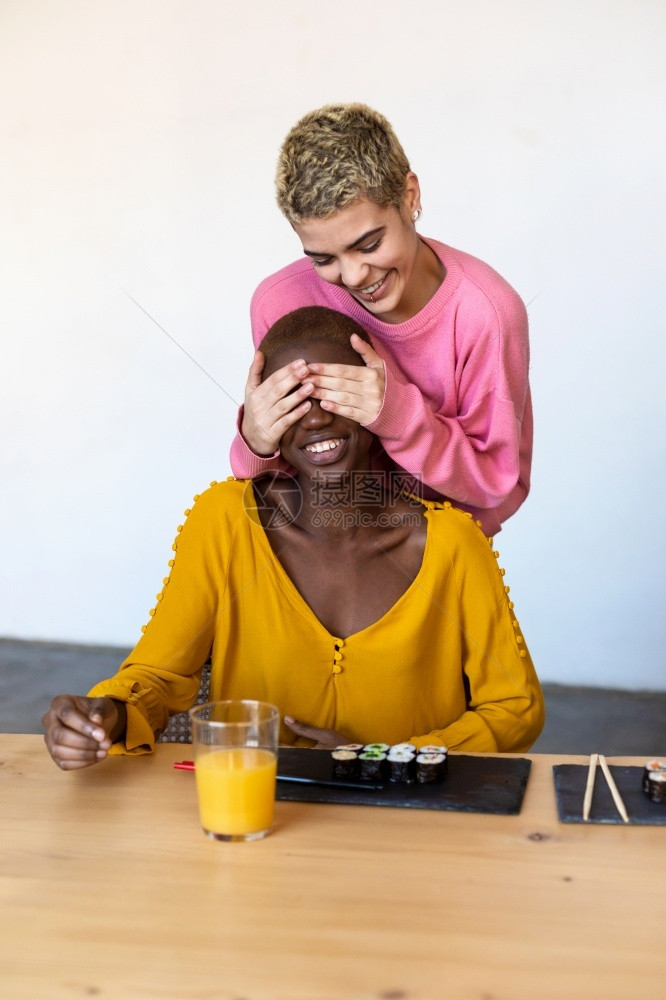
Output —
(351, 390)
(325, 739)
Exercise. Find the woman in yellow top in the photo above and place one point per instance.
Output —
(363, 613)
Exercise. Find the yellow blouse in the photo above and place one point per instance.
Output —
(446, 664)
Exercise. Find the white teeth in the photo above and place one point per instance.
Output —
(320, 446)
(371, 289)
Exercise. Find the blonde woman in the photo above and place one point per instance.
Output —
(444, 384)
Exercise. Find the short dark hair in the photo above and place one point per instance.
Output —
(311, 325)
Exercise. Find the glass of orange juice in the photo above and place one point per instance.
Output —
(235, 753)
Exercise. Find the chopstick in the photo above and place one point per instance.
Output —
(589, 788)
(595, 759)
(617, 798)
(188, 765)
(363, 786)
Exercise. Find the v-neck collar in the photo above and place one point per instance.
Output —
(298, 601)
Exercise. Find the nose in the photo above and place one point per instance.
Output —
(353, 272)
(316, 417)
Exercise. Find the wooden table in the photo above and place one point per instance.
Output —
(109, 889)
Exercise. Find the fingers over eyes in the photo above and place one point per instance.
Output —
(341, 397)
(350, 373)
(281, 382)
(285, 404)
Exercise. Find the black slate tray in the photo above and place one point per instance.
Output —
(474, 784)
(570, 783)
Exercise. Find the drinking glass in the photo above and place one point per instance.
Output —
(235, 753)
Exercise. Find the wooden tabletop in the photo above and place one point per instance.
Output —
(109, 889)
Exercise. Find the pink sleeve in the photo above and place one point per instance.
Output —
(473, 456)
(245, 464)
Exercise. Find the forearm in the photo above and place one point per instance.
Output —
(472, 459)
(491, 729)
(245, 464)
(146, 696)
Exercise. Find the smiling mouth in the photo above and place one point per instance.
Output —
(371, 289)
(320, 447)
(327, 451)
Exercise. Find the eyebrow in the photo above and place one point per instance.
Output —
(365, 236)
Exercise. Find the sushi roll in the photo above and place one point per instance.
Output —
(351, 746)
(434, 748)
(376, 747)
(409, 747)
(400, 765)
(371, 765)
(430, 768)
(344, 763)
(657, 786)
(652, 767)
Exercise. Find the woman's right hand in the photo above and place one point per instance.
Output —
(271, 407)
(79, 731)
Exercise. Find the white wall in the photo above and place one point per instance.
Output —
(139, 140)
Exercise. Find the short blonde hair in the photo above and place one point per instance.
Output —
(335, 155)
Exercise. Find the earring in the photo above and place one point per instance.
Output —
(416, 214)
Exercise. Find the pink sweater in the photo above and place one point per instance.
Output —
(457, 411)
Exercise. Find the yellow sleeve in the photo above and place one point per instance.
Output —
(505, 708)
(162, 674)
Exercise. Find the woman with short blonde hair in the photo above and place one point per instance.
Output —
(444, 385)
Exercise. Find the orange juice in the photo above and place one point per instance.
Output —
(236, 789)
